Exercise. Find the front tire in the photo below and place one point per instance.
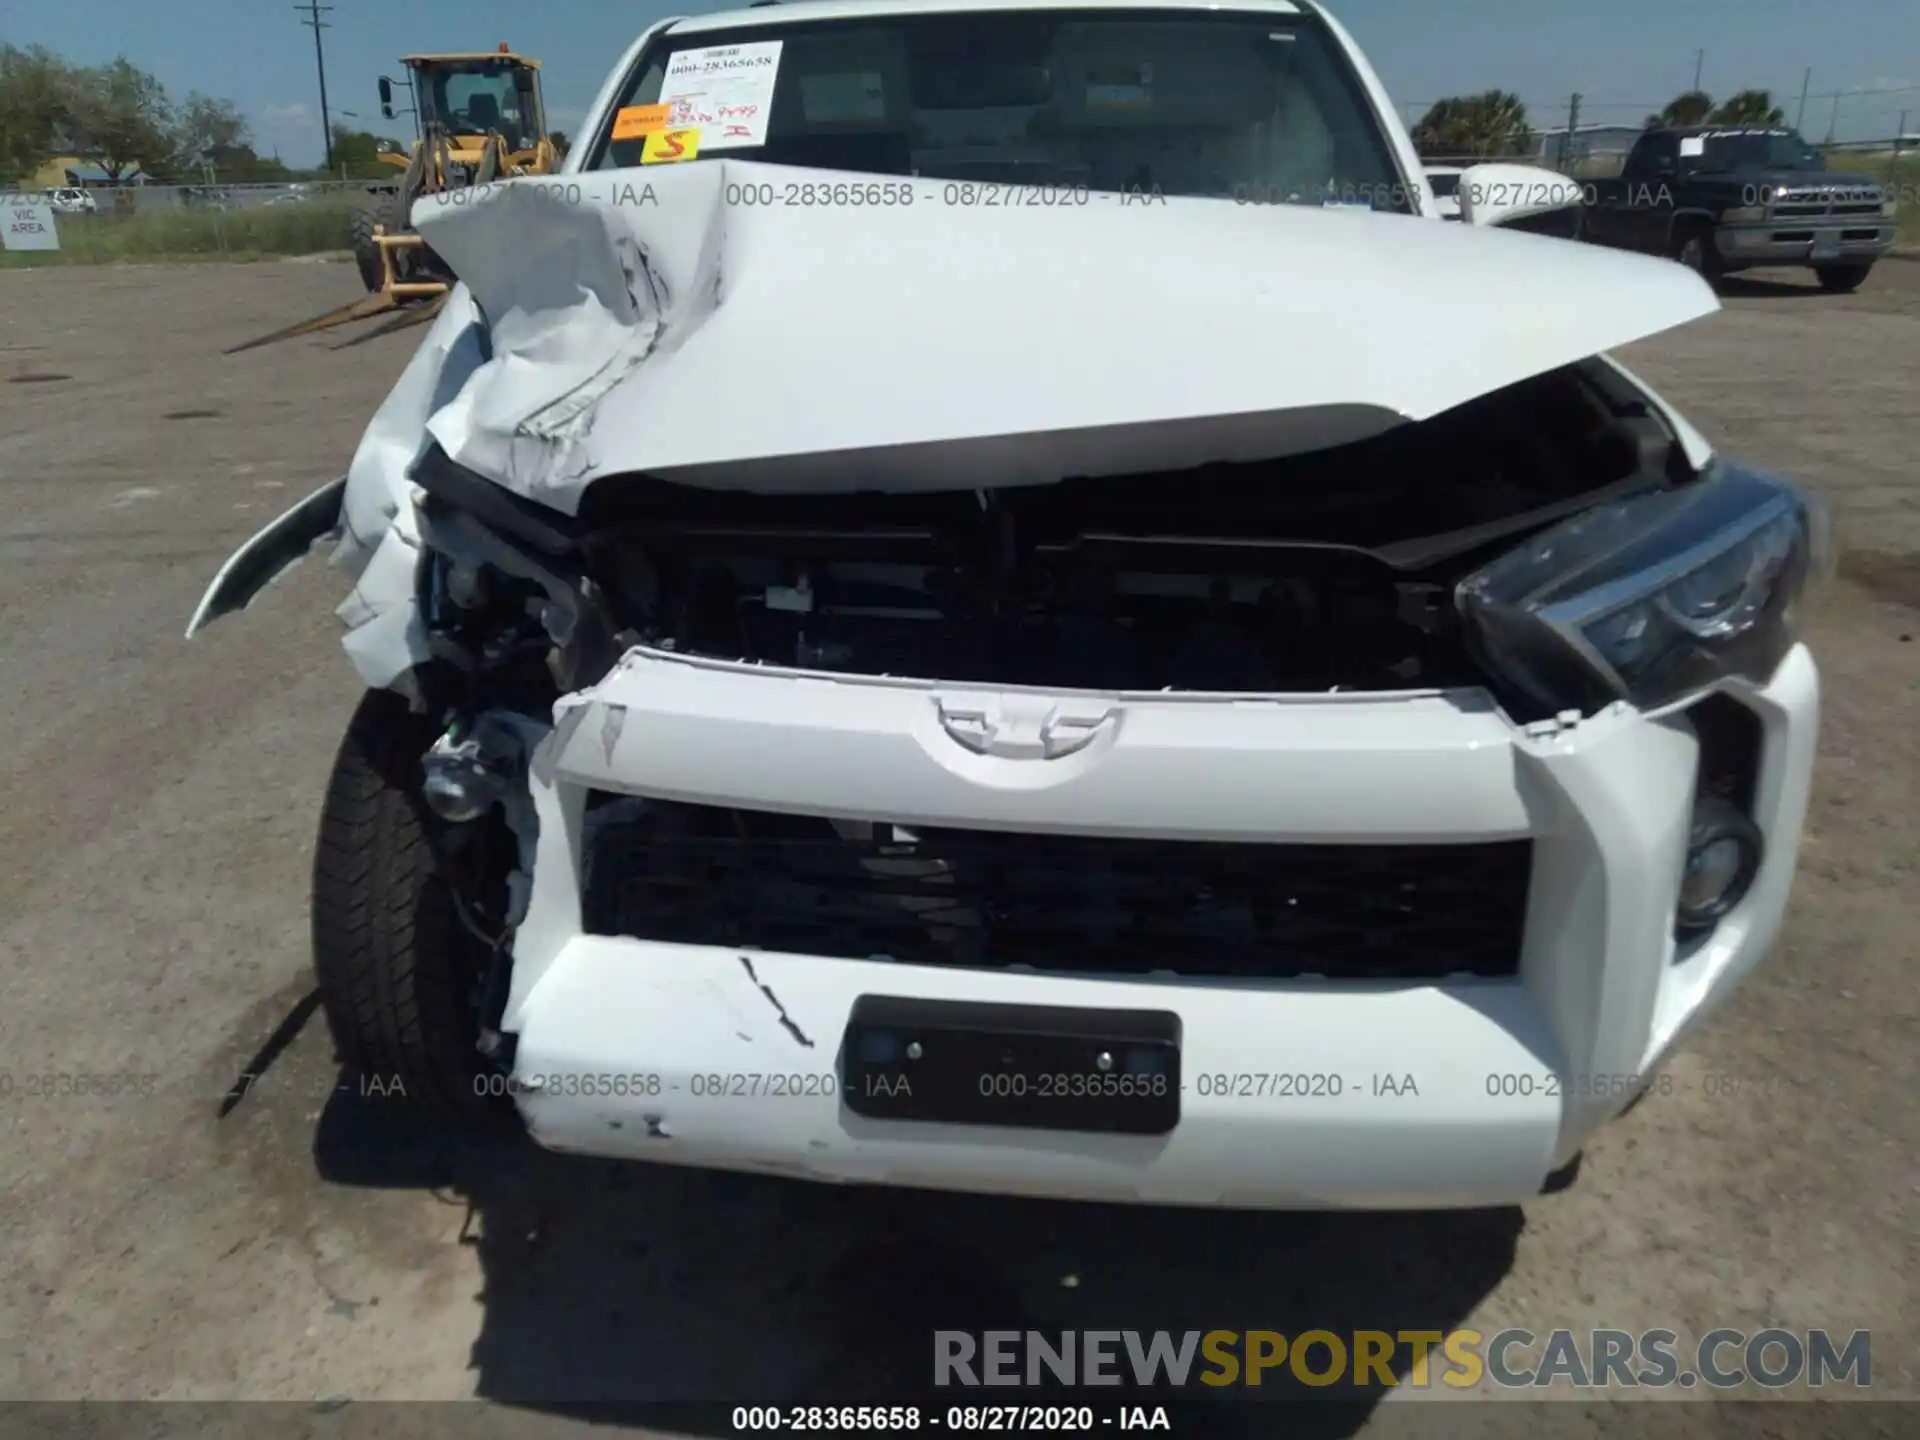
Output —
(375, 210)
(399, 975)
(1841, 279)
(1693, 248)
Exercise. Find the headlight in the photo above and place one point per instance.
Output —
(1654, 599)
(1743, 213)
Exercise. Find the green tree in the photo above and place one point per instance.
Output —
(1748, 107)
(119, 118)
(1689, 107)
(357, 152)
(35, 94)
(244, 167)
(1487, 126)
(208, 132)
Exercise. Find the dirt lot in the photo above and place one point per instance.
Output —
(301, 1244)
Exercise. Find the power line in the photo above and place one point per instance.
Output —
(314, 12)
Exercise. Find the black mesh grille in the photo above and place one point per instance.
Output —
(695, 875)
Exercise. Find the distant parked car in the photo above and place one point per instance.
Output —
(1721, 199)
(72, 201)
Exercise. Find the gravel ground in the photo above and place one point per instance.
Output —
(297, 1243)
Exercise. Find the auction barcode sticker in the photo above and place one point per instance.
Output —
(725, 90)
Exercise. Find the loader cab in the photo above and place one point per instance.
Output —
(467, 97)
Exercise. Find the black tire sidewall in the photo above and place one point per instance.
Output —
(1841, 279)
(366, 254)
(1705, 263)
(396, 969)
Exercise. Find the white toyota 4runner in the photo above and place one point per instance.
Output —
(980, 595)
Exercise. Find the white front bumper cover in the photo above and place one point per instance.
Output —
(1509, 1078)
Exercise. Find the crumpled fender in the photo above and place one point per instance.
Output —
(379, 543)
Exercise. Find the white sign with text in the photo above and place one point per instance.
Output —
(724, 90)
(26, 223)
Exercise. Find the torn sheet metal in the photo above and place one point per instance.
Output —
(649, 320)
(386, 635)
(267, 558)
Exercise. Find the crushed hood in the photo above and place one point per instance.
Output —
(654, 321)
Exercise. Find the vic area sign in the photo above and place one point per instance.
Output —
(28, 223)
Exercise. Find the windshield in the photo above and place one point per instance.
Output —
(1259, 109)
(1749, 150)
(479, 98)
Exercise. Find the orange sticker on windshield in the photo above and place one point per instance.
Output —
(638, 120)
(663, 147)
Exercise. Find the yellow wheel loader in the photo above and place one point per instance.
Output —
(481, 118)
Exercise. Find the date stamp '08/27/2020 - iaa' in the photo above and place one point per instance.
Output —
(80, 1085)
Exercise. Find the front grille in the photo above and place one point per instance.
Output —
(990, 899)
(1803, 205)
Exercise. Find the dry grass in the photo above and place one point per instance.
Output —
(249, 234)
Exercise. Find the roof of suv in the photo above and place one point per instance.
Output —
(785, 14)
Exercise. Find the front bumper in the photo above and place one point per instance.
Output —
(1428, 1094)
(1823, 240)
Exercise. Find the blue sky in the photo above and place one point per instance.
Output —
(1625, 57)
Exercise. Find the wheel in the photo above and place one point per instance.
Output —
(1693, 248)
(375, 210)
(1841, 279)
(400, 976)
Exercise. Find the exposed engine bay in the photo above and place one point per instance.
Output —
(1332, 570)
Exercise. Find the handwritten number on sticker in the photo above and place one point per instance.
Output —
(665, 147)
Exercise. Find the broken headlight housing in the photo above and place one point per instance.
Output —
(1651, 600)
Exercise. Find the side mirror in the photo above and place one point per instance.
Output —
(386, 91)
(1500, 193)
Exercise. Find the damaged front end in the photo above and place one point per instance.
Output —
(1256, 669)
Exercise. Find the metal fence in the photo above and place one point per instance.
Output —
(144, 199)
(1893, 161)
(135, 222)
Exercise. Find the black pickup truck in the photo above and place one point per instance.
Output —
(1729, 197)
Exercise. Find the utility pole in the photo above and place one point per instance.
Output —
(1573, 123)
(1699, 59)
(1800, 117)
(314, 12)
(1833, 120)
